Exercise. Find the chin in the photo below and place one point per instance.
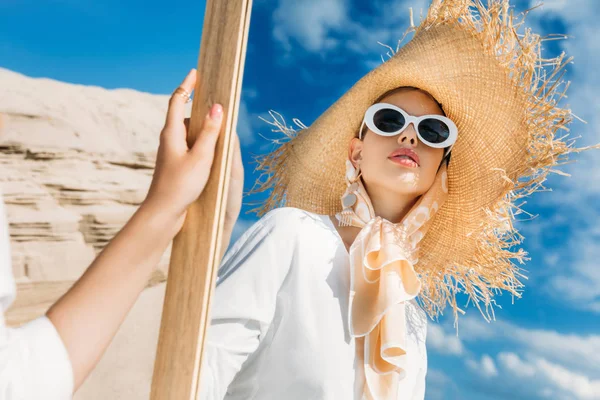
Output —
(403, 184)
(407, 191)
(402, 181)
(407, 179)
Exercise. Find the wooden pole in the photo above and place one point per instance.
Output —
(195, 255)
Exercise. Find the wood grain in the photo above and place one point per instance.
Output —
(196, 251)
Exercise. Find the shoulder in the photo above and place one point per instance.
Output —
(276, 229)
(286, 223)
(290, 215)
(280, 230)
(268, 246)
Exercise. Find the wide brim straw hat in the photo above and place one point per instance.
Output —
(502, 95)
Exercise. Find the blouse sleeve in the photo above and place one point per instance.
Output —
(418, 321)
(419, 392)
(34, 363)
(250, 276)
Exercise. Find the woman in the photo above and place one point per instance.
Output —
(50, 357)
(294, 262)
(308, 306)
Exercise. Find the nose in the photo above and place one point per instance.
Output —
(409, 135)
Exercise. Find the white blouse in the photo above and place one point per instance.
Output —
(34, 363)
(279, 317)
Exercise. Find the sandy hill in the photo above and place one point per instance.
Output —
(75, 161)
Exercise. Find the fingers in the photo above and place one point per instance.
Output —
(204, 147)
(176, 111)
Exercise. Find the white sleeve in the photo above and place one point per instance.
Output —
(251, 274)
(419, 322)
(34, 363)
(419, 391)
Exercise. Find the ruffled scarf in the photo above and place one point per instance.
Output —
(383, 279)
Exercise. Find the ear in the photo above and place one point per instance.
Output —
(355, 151)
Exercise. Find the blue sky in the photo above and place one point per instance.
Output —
(302, 55)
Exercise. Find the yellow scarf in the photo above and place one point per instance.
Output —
(383, 278)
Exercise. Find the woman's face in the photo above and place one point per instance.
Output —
(382, 173)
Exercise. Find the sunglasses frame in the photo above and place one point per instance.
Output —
(370, 114)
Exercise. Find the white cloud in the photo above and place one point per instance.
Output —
(486, 367)
(550, 374)
(439, 386)
(245, 125)
(551, 259)
(571, 272)
(577, 384)
(387, 25)
(580, 18)
(516, 366)
(443, 343)
(565, 363)
(576, 351)
(579, 284)
(438, 377)
(250, 93)
(476, 328)
(325, 27)
(309, 22)
(571, 10)
(567, 270)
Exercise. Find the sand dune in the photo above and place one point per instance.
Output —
(75, 161)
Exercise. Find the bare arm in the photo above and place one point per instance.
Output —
(88, 316)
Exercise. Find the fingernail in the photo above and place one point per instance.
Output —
(216, 111)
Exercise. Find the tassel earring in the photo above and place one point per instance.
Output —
(349, 198)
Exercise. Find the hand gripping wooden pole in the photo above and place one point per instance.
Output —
(196, 250)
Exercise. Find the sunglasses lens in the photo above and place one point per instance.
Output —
(434, 130)
(388, 120)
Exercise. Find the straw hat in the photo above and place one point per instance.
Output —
(492, 83)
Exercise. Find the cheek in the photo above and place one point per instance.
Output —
(434, 158)
(428, 176)
(376, 148)
(374, 155)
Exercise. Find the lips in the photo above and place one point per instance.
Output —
(405, 152)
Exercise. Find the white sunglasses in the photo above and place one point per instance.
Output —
(389, 120)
